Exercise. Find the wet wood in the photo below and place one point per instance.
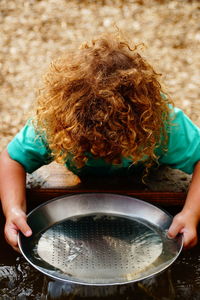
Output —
(162, 198)
(54, 181)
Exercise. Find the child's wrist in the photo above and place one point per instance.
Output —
(190, 213)
(14, 211)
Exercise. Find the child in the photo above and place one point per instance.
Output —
(102, 111)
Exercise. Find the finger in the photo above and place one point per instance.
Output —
(189, 239)
(23, 226)
(190, 245)
(11, 236)
(17, 249)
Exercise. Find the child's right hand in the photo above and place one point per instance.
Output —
(186, 223)
(16, 221)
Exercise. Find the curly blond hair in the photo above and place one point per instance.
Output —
(104, 99)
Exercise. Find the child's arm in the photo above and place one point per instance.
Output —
(187, 220)
(13, 198)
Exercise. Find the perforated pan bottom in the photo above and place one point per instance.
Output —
(99, 249)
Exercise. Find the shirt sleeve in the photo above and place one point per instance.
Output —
(183, 150)
(29, 149)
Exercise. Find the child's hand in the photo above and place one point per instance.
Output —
(186, 223)
(15, 221)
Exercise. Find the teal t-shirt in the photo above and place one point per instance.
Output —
(183, 150)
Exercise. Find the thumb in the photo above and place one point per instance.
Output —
(23, 226)
(174, 229)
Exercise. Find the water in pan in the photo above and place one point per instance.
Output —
(104, 249)
(20, 281)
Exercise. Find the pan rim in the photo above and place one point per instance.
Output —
(74, 281)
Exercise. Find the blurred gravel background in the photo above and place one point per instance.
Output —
(33, 32)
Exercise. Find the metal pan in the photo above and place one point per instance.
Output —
(99, 239)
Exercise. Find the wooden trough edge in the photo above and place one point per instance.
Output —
(38, 196)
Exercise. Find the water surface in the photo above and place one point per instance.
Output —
(20, 281)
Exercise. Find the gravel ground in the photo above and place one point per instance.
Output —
(33, 32)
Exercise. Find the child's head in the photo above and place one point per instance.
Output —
(104, 99)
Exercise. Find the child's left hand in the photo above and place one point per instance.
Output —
(185, 222)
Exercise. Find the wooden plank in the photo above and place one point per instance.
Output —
(54, 180)
(38, 196)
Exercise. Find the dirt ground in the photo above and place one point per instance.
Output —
(33, 32)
